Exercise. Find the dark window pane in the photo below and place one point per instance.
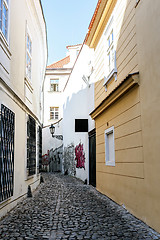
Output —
(81, 125)
(7, 118)
(31, 146)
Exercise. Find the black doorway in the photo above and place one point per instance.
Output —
(92, 157)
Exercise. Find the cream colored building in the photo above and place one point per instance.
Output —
(125, 35)
(23, 56)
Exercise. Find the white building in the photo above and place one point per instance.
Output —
(77, 124)
(23, 56)
(55, 80)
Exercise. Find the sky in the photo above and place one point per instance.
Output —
(67, 24)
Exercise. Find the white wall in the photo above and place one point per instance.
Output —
(53, 99)
(56, 99)
(78, 103)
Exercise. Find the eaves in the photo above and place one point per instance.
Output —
(99, 22)
(129, 82)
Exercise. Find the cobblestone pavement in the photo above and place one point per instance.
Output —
(64, 208)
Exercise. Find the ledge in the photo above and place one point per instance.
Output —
(5, 201)
(28, 84)
(107, 79)
(137, 3)
(29, 177)
(4, 45)
(130, 81)
(54, 92)
(18, 99)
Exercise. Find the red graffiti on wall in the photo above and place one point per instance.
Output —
(80, 156)
(45, 158)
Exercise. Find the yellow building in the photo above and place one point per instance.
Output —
(125, 35)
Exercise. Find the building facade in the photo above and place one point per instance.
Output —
(56, 77)
(23, 56)
(125, 36)
(77, 124)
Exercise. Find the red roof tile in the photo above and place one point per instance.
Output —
(60, 63)
(73, 45)
(93, 19)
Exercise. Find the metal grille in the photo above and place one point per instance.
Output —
(31, 146)
(6, 153)
(40, 148)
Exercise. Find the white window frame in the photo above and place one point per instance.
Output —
(108, 161)
(29, 55)
(56, 85)
(4, 3)
(109, 49)
(53, 112)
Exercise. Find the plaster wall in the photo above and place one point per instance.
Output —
(48, 141)
(21, 181)
(133, 181)
(29, 20)
(78, 102)
(13, 87)
(56, 99)
(73, 52)
(123, 14)
(53, 99)
(148, 38)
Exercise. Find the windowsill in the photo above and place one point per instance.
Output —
(53, 120)
(4, 201)
(54, 91)
(28, 84)
(5, 44)
(111, 164)
(107, 79)
(29, 177)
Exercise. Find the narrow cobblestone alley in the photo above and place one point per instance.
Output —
(64, 208)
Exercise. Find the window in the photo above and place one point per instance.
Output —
(31, 146)
(81, 125)
(39, 147)
(54, 113)
(110, 53)
(28, 57)
(109, 147)
(54, 85)
(7, 125)
(4, 17)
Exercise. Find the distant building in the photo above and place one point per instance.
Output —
(125, 36)
(23, 56)
(55, 80)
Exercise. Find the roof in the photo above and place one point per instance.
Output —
(60, 63)
(74, 45)
(93, 19)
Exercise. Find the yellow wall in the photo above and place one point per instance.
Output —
(123, 183)
(148, 39)
(126, 49)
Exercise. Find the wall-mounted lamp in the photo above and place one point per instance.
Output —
(52, 130)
